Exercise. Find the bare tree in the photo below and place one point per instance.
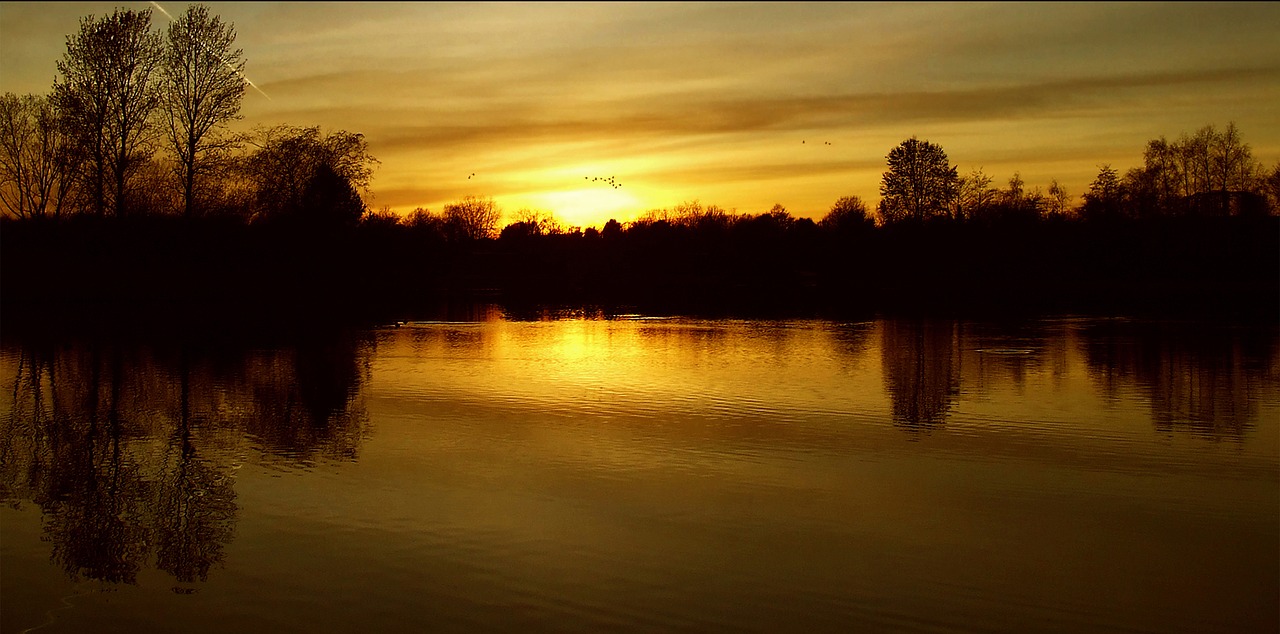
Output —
(203, 80)
(1269, 185)
(1198, 163)
(35, 170)
(1059, 200)
(1162, 165)
(107, 93)
(473, 217)
(974, 194)
(1184, 176)
(1232, 160)
(1017, 189)
(539, 222)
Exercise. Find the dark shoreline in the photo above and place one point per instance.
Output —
(157, 272)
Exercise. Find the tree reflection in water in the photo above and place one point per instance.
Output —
(1205, 381)
(1200, 378)
(127, 448)
(920, 372)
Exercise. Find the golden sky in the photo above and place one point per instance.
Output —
(729, 104)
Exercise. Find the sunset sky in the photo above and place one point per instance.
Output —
(736, 105)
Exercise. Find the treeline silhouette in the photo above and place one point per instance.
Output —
(701, 260)
(125, 192)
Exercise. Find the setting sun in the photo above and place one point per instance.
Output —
(585, 206)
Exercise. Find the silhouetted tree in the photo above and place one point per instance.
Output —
(155, 194)
(974, 195)
(107, 93)
(382, 219)
(1207, 173)
(1016, 189)
(1231, 164)
(1015, 204)
(535, 222)
(1104, 196)
(1162, 172)
(613, 228)
(203, 85)
(330, 199)
(777, 218)
(919, 184)
(519, 230)
(288, 165)
(1058, 200)
(473, 218)
(693, 215)
(848, 214)
(1269, 188)
(36, 172)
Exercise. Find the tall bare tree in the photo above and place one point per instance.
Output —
(473, 218)
(203, 85)
(1232, 160)
(107, 91)
(1179, 177)
(974, 194)
(35, 171)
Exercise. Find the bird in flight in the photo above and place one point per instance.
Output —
(610, 181)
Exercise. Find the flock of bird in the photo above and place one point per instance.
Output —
(610, 181)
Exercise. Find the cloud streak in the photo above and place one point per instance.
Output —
(446, 123)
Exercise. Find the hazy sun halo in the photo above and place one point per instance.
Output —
(589, 205)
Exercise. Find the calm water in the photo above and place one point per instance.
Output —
(633, 474)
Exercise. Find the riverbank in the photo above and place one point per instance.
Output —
(158, 269)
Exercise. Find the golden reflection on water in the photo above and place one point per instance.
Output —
(915, 373)
(865, 473)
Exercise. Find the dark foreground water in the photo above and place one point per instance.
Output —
(636, 474)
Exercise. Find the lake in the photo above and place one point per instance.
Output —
(584, 472)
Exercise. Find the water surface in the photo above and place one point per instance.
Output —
(646, 474)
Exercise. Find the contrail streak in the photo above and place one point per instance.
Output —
(225, 62)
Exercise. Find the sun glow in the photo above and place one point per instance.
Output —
(589, 205)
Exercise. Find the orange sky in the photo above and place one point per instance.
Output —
(728, 104)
